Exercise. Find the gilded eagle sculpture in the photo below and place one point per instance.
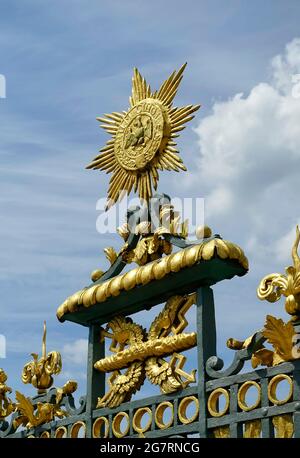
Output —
(143, 138)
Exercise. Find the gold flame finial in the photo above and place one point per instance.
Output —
(39, 371)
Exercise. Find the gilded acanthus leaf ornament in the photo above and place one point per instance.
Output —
(69, 388)
(31, 416)
(143, 138)
(170, 222)
(263, 357)
(273, 286)
(124, 231)
(150, 248)
(222, 432)
(6, 405)
(252, 429)
(234, 344)
(284, 426)
(110, 254)
(152, 244)
(142, 354)
(39, 371)
(280, 336)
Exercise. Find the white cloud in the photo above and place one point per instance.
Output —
(76, 352)
(286, 65)
(250, 157)
(248, 136)
(219, 201)
(71, 375)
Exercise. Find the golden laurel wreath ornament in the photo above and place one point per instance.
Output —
(143, 138)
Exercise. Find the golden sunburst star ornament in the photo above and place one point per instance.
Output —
(143, 138)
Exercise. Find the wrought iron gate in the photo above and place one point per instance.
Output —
(180, 273)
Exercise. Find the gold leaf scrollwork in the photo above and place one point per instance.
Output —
(110, 254)
(29, 416)
(284, 426)
(170, 221)
(69, 387)
(148, 249)
(280, 335)
(273, 286)
(282, 338)
(263, 357)
(143, 354)
(124, 231)
(252, 429)
(6, 405)
(223, 432)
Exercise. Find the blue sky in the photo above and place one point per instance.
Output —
(68, 61)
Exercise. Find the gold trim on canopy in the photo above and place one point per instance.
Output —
(155, 270)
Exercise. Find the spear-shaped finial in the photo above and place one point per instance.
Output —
(295, 255)
(44, 341)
